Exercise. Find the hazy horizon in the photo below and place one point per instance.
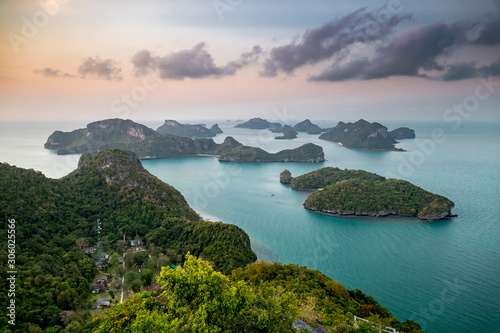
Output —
(323, 60)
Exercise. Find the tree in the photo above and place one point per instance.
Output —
(82, 243)
(120, 246)
(198, 299)
(111, 294)
(146, 277)
(87, 268)
(153, 250)
(66, 300)
(140, 257)
(136, 285)
(130, 276)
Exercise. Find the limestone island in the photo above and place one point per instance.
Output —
(189, 131)
(365, 135)
(361, 193)
(258, 123)
(308, 127)
(147, 143)
(288, 133)
(402, 133)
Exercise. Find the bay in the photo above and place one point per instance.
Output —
(443, 274)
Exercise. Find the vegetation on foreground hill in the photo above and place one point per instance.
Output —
(52, 216)
(357, 192)
(263, 297)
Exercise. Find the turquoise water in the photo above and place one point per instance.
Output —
(444, 274)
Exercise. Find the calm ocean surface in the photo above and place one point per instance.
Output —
(445, 274)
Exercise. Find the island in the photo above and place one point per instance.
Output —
(288, 133)
(233, 151)
(186, 130)
(362, 193)
(361, 135)
(216, 129)
(147, 143)
(258, 123)
(308, 127)
(402, 133)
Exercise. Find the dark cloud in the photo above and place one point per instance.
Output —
(105, 69)
(487, 34)
(50, 72)
(194, 63)
(490, 70)
(405, 55)
(460, 71)
(324, 42)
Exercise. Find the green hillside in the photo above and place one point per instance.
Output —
(54, 274)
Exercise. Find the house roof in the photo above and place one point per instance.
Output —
(97, 286)
(102, 301)
(103, 277)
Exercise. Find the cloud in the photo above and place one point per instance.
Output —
(490, 70)
(460, 71)
(485, 34)
(50, 72)
(468, 70)
(105, 69)
(194, 63)
(405, 55)
(143, 63)
(333, 37)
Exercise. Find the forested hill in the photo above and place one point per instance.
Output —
(54, 274)
(358, 192)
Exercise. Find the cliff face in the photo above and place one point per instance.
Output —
(361, 135)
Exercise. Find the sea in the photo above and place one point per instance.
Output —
(443, 274)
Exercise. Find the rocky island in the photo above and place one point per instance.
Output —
(309, 153)
(147, 143)
(308, 127)
(288, 133)
(363, 135)
(189, 131)
(402, 133)
(216, 129)
(258, 123)
(361, 193)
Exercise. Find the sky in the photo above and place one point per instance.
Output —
(238, 59)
